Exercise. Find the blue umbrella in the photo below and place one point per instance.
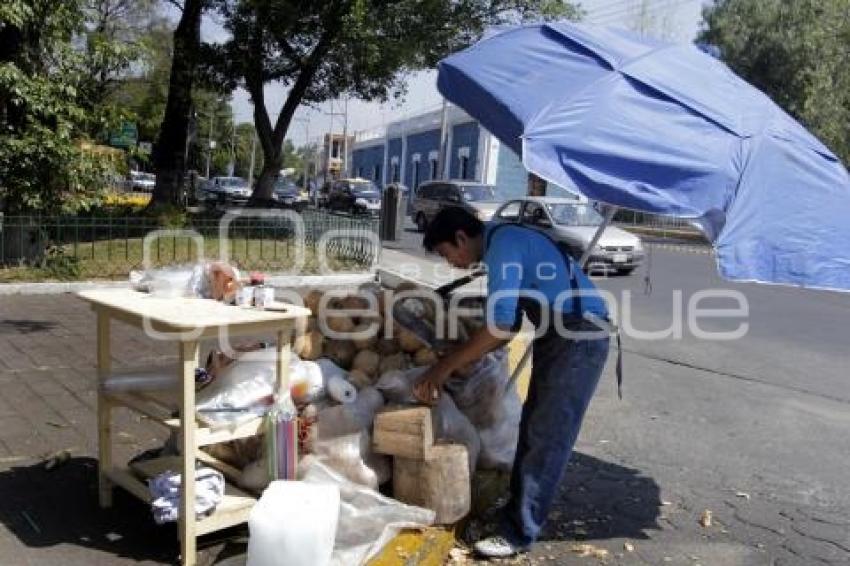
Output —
(665, 129)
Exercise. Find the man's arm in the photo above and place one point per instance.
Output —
(427, 389)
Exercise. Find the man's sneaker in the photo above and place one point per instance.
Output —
(496, 547)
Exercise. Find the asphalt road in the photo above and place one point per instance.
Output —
(757, 428)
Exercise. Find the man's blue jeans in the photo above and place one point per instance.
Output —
(563, 380)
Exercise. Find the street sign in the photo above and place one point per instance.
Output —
(145, 147)
(126, 137)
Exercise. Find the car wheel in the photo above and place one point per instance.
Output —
(421, 222)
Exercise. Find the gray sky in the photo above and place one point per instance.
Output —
(674, 20)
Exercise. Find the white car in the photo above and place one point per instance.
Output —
(142, 182)
(574, 224)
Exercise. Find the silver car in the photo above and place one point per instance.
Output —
(433, 196)
(574, 224)
(228, 189)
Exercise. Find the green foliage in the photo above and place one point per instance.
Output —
(796, 52)
(321, 50)
(45, 164)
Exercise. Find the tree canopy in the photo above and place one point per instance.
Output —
(796, 52)
(322, 49)
(46, 163)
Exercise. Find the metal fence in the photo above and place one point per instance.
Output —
(76, 247)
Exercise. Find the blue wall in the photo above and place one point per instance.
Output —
(464, 135)
(422, 143)
(364, 160)
(394, 151)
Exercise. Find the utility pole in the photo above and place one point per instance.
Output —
(345, 141)
(444, 130)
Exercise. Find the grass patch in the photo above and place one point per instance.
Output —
(115, 258)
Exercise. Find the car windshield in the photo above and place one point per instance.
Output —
(574, 214)
(364, 189)
(283, 185)
(477, 193)
(232, 182)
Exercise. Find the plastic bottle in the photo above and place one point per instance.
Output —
(282, 438)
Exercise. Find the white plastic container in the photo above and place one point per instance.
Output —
(294, 524)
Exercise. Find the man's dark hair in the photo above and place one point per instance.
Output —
(446, 224)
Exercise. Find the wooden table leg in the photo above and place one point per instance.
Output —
(104, 411)
(188, 362)
(282, 360)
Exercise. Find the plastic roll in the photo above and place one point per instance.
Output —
(341, 390)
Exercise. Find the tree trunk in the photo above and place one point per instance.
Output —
(170, 152)
(265, 184)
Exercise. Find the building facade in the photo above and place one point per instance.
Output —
(408, 152)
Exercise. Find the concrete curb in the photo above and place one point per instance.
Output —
(280, 281)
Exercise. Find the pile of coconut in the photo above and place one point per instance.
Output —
(358, 333)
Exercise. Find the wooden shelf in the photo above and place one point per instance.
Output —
(160, 407)
(234, 508)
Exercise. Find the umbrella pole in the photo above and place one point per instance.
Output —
(609, 216)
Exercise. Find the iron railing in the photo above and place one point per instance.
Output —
(72, 247)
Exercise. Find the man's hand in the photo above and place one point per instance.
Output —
(427, 388)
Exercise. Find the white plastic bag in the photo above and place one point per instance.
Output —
(450, 424)
(479, 396)
(294, 524)
(344, 443)
(498, 442)
(367, 519)
(397, 385)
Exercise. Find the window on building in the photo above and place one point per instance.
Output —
(376, 173)
(433, 164)
(395, 172)
(335, 149)
(415, 174)
(360, 172)
(464, 167)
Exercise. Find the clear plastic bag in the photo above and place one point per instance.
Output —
(344, 442)
(451, 425)
(367, 519)
(397, 385)
(479, 396)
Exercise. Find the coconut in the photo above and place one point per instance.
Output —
(359, 379)
(341, 352)
(309, 346)
(407, 340)
(366, 361)
(372, 336)
(393, 362)
(424, 357)
(312, 300)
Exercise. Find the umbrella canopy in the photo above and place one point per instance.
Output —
(666, 129)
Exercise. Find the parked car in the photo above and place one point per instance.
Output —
(288, 195)
(231, 190)
(357, 196)
(574, 224)
(141, 182)
(433, 196)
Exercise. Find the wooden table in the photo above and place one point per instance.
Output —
(185, 321)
